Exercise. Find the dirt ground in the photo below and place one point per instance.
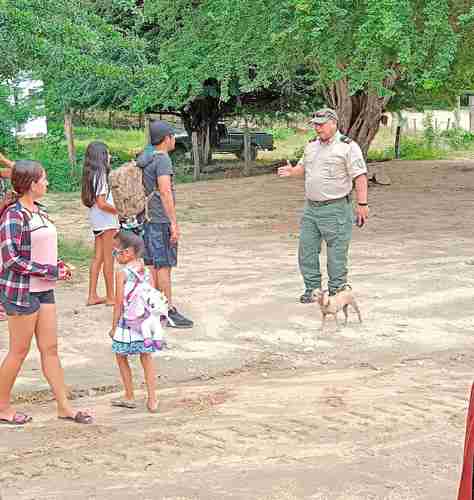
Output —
(256, 401)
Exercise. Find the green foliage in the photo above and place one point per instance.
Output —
(84, 60)
(374, 42)
(51, 152)
(458, 138)
(281, 134)
(412, 149)
(162, 55)
(431, 146)
(123, 144)
(429, 133)
(12, 114)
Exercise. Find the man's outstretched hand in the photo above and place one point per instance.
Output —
(286, 170)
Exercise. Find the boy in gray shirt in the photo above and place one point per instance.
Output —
(161, 231)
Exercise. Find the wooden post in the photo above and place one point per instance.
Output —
(69, 134)
(397, 142)
(471, 113)
(457, 112)
(246, 148)
(449, 123)
(197, 171)
(414, 126)
(207, 146)
(147, 130)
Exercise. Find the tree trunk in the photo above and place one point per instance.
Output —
(201, 116)
(69, 133)
(206, 146)
(197, 168)
(359, 114)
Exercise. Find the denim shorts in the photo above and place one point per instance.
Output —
(158, 250)
(36, 299)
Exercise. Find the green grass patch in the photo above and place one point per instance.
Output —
(123, 144)
(75, 252)
(411, 148)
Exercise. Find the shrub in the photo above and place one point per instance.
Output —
(281, 133)
(429, 133)
(412, 149)
(458, 138)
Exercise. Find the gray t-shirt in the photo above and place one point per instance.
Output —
(154, 165)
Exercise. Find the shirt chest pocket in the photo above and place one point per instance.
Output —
(335, 166)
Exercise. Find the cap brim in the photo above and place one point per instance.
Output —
(319, 121)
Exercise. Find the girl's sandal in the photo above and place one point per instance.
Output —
(17, 419)
(152, 409)
(124, 403)
(81, 417)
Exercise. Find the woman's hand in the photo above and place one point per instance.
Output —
(64, 271)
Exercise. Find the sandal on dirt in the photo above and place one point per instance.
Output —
(81, 417)
(17, 419)
(124, 403)
(152, 409)
(99, 302)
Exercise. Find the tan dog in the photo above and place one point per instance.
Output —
(333, 304)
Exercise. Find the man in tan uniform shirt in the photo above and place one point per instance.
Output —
(331, 165)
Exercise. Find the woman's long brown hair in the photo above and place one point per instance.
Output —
(96, 166)
(24, 173)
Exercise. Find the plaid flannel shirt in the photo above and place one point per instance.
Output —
(17, 267)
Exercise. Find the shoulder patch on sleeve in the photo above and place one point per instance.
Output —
(346, 139)
(315, 138)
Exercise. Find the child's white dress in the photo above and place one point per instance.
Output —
(128, 338)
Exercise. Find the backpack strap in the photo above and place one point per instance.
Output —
(138, 280)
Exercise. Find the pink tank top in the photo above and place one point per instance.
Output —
(44, 249)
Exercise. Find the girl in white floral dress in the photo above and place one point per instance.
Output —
(127, 338)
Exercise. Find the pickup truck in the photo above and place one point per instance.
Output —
(229, 140)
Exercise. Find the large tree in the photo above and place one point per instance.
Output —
(202, 59)
(83, 59)
(363, 52)
(209, 55)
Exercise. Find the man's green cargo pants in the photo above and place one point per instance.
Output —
(330, 222)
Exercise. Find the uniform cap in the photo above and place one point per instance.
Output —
(323, 116)
(158, 131)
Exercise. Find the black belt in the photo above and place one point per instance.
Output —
(327, 202)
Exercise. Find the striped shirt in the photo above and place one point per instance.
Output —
(17, 266)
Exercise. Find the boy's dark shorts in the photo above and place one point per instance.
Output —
(36, 299)
(158, 250)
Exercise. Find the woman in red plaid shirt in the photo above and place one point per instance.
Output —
(29, 273)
